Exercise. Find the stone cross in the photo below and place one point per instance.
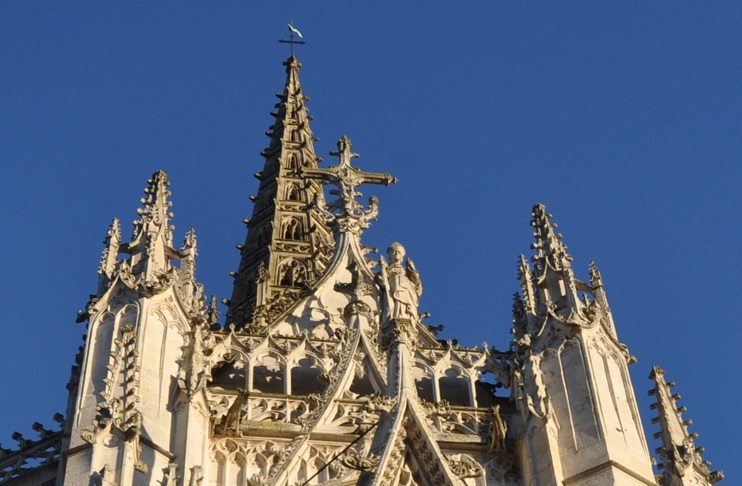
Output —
(346, 214)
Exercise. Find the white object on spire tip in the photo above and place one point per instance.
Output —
(292, 29)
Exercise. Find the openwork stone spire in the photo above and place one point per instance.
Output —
(681, 459)
(288, 244)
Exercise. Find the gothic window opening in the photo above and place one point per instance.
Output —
(241, 464)
(454, 388)
(315, 466)
(292, 229)
(268, 376)
(292, 194)
(267, 460)
(362, 385)
(292, 273)
(485, 391)
(424, 384)
(221, 469)
(424, 387)
(305, 378)
(231, 376)
(293, 162)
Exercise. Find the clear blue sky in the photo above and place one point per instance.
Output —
(624, 118)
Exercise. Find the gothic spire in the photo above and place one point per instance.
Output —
(548, 244)
(681, 459)
(151, 245)
(288, 244)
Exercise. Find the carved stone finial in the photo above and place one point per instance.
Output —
(187, 271)
(212, 317)
(156, 206)
(595, 279)
(110, 256)
(526, 284)
(346, 214)
(548, 245)
(149, 269)
(356, 290)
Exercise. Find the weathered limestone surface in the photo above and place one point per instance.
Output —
(323, 370)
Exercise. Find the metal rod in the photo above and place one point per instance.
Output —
(339, 454)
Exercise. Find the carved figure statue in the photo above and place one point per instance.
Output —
(401, 283)
(498, 430)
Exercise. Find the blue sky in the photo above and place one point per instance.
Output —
(623, 118)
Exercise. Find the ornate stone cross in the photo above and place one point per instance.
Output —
(346, 214)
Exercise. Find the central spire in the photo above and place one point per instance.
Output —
(288, 244)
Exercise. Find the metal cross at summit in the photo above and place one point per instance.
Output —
(291, 39)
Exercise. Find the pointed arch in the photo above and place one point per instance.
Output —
(291, 273)
(293, 193)
(424, 382)
(268, 374)
(454, 387)
(219, 463)
(292, 229)
(305, 378)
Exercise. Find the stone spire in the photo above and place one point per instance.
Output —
(549, 247)
(681, 459)
(288, 245)
(152, 239)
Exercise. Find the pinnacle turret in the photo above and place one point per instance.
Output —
(187, 271)
(681, 459)
(149, 267)
(151, 245)
(551, 287)
(286, 236)
(553, 278)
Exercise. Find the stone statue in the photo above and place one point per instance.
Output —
(401, 283)
(498, 431)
